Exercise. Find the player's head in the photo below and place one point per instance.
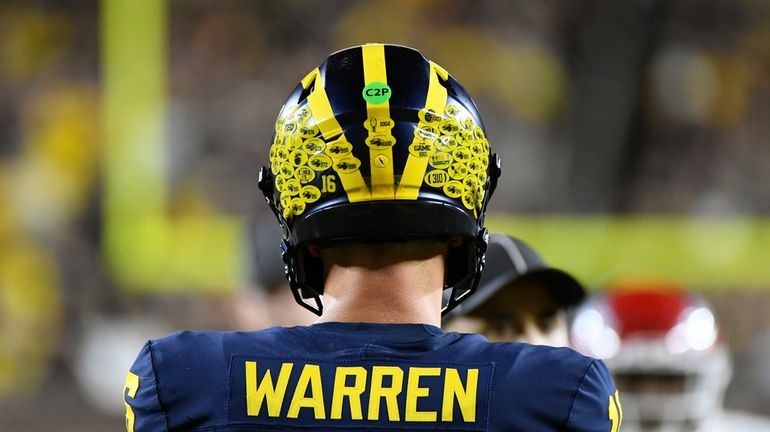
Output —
(519, 296)
(663, 347)
(379, 144)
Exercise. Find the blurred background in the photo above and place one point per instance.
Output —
(634, 137)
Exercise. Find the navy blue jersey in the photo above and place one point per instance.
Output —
(368, 377)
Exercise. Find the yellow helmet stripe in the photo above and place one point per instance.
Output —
(378, 116)
(321, 109)
(412, 178)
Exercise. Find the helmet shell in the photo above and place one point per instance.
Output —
(378, 144)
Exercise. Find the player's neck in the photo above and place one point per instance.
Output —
(400, 292)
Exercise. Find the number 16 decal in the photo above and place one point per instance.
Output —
(328, 184)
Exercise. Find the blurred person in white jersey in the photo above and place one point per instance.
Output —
(666, 354)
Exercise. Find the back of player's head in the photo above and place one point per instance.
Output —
(379, 144)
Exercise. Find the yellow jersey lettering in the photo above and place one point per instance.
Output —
(345, 394)
(130, 389)
(464, 394)
(377, 392)
(310, 378)
(414, 392)
(257, 392)
(615, 412)
(353, 393)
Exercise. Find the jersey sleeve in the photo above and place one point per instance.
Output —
(144, 412)
(596, 406)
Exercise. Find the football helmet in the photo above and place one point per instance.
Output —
(664, 350)
(379, 144)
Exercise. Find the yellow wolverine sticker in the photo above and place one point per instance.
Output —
(429, 116)
(339, 149)
(450, 127)
(470, 182)
(347, 165)
(308, 131)
(310, 194)
(458, 171)
(380, 141)
(313, 146)
(289, 128)
(474, 166)
(461, 154)
(446, 143)
(451, 110)
(453, 189)
(279, 182)
(302, 115)
(320, 162)
(291, 186)
(285, 200)
(286, 170)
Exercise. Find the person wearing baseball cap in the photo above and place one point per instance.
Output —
(519, 297)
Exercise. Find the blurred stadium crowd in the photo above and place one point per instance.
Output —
(597, 108)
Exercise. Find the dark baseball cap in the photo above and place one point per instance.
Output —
(510, 259)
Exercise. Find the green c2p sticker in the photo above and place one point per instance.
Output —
(376, 93)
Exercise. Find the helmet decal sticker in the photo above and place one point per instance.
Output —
(416, 164)
(323, 115)
(452, 145)
(453, 189)
(377, 92)
(378, 122)
(298, 158)
(436, 178)
(381, 161)
(449, 151)
(310, 194)
(320, 162)
(380, 141)
(440, 160)
(304, 174)
(313, 146)
(449, 126)
(339, 149)
(347, 165)
(422, 148)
